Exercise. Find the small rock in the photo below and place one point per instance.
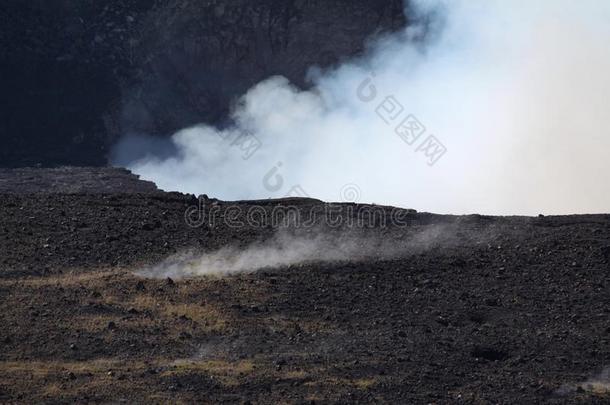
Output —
(442, 321)
(606, 253)
(279, 364)
(184, 336)
(150, 226)
(169, 281)
(489, 353)
(73, 347)
(492, 302)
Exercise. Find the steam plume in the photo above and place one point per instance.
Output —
(516, 92)
(286, 249)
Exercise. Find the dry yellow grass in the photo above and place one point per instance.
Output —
(70, 279)
(278, 323)
(53, 390)
(364, 383)
(42, 368)
(360, 383)
(49, 379)
(227, 373)
(180, 304)
(92, 323)
(295, 375)
(162, 309)
(597, 387)
(204, 314)
(219, 367)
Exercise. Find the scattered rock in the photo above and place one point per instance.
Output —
(150, 226)
(489, 353)
(348, 321)
(442, 321)
(492, 302)
(606, 253)
(185, 335)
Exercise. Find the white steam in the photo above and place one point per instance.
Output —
(598, 385)
(284, 250)
(518, 93)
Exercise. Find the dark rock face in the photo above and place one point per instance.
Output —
(73, 180)
(77, 75)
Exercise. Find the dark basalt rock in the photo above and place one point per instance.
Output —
(73, 180)
(430, 326)
(77, 75)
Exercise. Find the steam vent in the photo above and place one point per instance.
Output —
(304, 202)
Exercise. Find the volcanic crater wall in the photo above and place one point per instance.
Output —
(76, 75)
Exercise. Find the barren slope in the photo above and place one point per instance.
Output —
(499, 310)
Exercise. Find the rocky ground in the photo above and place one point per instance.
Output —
(486, 310)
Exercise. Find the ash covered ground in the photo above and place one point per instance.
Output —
(447, 309)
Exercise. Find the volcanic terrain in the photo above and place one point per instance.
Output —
(463, 309)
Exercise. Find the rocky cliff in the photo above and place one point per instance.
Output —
(76, 75)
